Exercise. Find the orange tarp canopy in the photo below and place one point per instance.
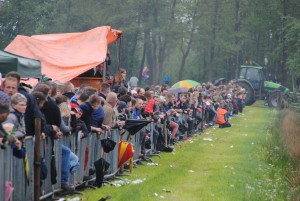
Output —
(67, 55)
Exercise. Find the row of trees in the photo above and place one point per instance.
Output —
(194, 39)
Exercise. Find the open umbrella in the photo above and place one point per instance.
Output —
(186, 83)
(126, 152)
(175, 90)
(135, 125)
(219, 81)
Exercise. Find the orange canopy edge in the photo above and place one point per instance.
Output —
(64, 56)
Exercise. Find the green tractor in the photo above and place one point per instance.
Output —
(253, 80)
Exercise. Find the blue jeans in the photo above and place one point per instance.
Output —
(69, 164)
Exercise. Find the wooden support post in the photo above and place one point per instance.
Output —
(37, 159)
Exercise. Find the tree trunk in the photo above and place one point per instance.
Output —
(283, 68)
(142, 61)
(235, 63)
(212, 67)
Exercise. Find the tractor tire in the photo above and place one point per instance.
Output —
(249, 95)
(272, 100)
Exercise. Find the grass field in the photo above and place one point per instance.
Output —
(230, 167)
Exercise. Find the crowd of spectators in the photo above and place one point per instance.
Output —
(66, 110)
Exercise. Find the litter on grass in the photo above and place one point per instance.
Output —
(119, 183)
(168, 191)
(152, 164)
(190, 171)
(207, 139)
(138, 181)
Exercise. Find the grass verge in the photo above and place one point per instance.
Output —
(238, 164)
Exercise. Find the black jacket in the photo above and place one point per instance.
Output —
(52, 113)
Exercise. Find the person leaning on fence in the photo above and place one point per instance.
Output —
(78, 126)
(32, 109)
(222, 117)
(5, 138)
(110, 110)
(65, 112)
(88, 107)
(15, 124)
(50, 108)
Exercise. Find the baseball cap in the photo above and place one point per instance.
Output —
(122, 105)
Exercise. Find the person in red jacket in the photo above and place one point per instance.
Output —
(149, 108)
(222, 117)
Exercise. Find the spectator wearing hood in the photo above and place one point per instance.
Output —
(133, 82)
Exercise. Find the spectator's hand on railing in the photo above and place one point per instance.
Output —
(42, 136)
(81, 134)
(106, 127)
(58, 133)
(99, 131)
(18, 144)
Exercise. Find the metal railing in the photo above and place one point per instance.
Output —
(88, 150)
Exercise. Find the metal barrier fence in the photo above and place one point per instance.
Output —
(88, 150)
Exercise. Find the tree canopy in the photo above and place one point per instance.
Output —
(185, 39)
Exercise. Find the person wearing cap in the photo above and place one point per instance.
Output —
(122, 111)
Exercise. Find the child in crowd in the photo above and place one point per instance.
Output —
(222, 117)
(145, 73)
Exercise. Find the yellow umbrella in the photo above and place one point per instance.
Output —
(186, 83)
